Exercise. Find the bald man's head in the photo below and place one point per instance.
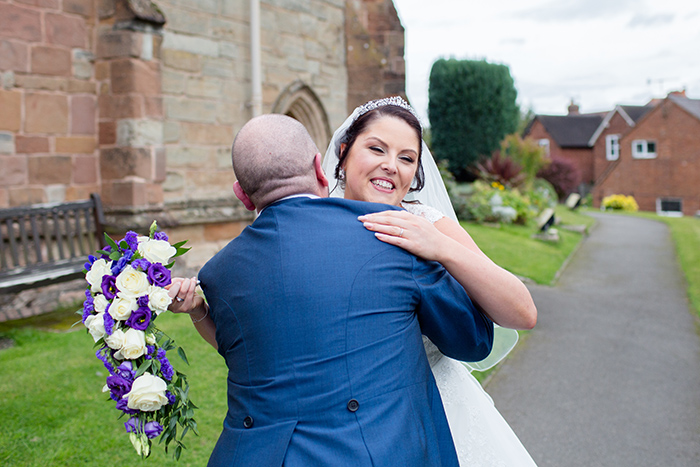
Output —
(273, 157)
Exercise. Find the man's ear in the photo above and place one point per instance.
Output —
(320, 174)
(240, 194)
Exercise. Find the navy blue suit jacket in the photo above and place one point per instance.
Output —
(320, 325)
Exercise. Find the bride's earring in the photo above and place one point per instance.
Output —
(341, 175)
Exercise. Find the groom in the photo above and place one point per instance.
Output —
(320, 323)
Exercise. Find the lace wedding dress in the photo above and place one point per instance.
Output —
(481, 435)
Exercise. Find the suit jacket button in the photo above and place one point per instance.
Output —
(353, 405)
(248, 422)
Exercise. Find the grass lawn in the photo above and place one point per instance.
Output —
(53, 410)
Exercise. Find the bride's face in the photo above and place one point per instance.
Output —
(382, 162)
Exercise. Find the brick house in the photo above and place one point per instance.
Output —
(659, 159)
(568, 137)
(140, 102)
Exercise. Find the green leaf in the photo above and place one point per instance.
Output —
(152, 230)
(111, 242)
(183, 356)
(179, 244)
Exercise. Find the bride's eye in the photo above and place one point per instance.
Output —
(407, 158)
(377, 149)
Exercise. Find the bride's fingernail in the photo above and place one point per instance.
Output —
(361, 218)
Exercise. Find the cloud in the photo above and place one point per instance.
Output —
(573, 10)
(513, 41)
(646, 21)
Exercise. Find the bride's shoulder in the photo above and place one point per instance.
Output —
(429, 212)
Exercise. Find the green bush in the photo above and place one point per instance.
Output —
(481, 202)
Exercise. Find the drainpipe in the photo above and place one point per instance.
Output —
(256, 68)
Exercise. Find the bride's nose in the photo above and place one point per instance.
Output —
(389, 165)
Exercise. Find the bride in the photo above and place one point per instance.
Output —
(378, 155)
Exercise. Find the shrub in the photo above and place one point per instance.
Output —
(481, 202)
(563, 175)
(620, 203)
(502, 170)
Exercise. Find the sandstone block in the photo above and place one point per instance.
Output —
(108, 133)
(137, 76)
(65, 30)
(83, 115)
(102, 70)
(118, 163)
(192, 44)
(80, 86)
(218, 67)
(20, 23)
(24, 196)
(48, 60)
(174, 182)
(46, 113)
(76, 144)
(31, 144)
(181, 60)
(186, 21)
(203, 86)
(139, 133)
(198, 133)
(190, 110)
(131, 192)
(154, 193)
(153, 107)
(173, 82)
(4, 198)
(7, 143)
(79, 7)
(46, 83)
(115, 44)
(116, 107)
(85, 170)
(225, 231)
(14, 56)
(46, 170)
(55, 193)
(189, 157)
(14, 170)
(11, 114)
(171, 132)
(159, 165)
(78, 192)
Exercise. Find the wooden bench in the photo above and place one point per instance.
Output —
(45, 244)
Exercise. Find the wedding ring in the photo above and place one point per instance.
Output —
(179, 299)
(401, 232)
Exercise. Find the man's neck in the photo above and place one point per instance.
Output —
(298, 195)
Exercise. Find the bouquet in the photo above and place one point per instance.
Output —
(126, 293)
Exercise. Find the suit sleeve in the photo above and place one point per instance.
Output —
(448, 316)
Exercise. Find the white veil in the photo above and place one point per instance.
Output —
(433, 194)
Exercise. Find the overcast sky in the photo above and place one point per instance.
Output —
(598, 52)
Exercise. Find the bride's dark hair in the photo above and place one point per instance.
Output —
(359, 125)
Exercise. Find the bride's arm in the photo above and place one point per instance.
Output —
(497, 293)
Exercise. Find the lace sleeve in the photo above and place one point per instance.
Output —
(432, 214)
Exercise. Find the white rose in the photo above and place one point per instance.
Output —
(121, 308)
(147, 393)
(158, 299)
(116, 340)
(96, 326)
(156, 251)
(132, 283)
(94, 276)
(134, 345)
(150, 339)
(100, 303)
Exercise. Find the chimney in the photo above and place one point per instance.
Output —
(680, 93)
(573, 108)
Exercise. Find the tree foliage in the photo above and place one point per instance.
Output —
(529, 155)
(472, 107)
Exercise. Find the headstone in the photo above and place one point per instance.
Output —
(573, 201)
(545, 220)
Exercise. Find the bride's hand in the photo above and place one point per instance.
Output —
(185, 299)
(414, 234)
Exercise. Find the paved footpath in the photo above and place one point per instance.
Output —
(610, 376)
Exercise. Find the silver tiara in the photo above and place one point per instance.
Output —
(394, 100)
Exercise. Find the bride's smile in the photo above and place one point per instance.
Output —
(382, 162)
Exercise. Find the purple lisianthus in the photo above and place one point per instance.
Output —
(122, 404)
(152, 429)
(165, 367)
(121, 263)
(160, 236)
(158, 275)
(142, 301)
(88, 306)
(141, 263)
(102, 355)
(149, 352)
(132, 425)
(126, 370)
(109, 323)
(118, 386)
(109, 286)
(171, 397)
(88, 263)
(140, 318)
(131, 239)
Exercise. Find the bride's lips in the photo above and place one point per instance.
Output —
(383, 184)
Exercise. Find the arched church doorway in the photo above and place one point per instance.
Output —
(301, 103)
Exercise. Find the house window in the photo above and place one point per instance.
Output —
(612, 147)
(643, 149)
(544, 143)
(672, 207)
